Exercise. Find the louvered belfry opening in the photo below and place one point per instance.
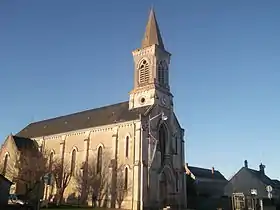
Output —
(144, 73)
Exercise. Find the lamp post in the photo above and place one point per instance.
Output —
(151, 137)
(151, 158)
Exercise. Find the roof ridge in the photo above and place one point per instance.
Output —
(106, 115)
(202, 168)
(78, 112)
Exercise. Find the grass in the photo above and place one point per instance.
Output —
(66, 207)
(75, 208)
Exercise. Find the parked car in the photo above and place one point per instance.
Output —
(13, 199)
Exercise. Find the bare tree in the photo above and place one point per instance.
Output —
(30, 168)
(81, 184)
(122, 184)
(95, 179)
(62, 174)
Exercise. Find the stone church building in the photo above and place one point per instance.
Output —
(143, 133)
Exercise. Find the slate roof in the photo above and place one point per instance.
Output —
(264, 178)
(86, 119)
(206, 173)
(152, 34)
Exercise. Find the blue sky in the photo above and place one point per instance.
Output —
(56, 57)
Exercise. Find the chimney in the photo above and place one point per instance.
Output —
(246, 164)
(262, 167)
(213, 169)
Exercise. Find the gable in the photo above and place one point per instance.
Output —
(90, 118)
(243, 181)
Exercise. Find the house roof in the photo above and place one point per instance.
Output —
(264, 178)
(206, 173)
(90, 118)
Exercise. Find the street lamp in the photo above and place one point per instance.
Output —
(163, 118)
(150, 136)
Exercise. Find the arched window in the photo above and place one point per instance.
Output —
(5, 164)
(126, 178)
(162, 134)
(144, 73)
(126, 146)
(161, 73)
(73, 161)
(99, 160)
(51, 161)
(177, 181)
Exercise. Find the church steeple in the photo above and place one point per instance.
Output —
(152, 34)
(151, 69)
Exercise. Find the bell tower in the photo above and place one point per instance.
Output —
(151, 69)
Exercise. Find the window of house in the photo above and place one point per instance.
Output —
(99, 160)
(73, 161)
(144, 74)
(126, 178)
(126, 146)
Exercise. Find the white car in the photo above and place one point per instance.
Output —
(13, 199)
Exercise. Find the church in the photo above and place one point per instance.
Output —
(143, 133)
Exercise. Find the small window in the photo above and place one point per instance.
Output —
(73, 161)
(126, 146)
(176, 145)
(126, 178)
(99, 160)
(177, 181)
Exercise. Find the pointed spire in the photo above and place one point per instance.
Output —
(152, 34)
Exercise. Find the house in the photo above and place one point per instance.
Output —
(250, 187)
(208, 182)
(5, 185)
(205, 188)
(142, 134)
